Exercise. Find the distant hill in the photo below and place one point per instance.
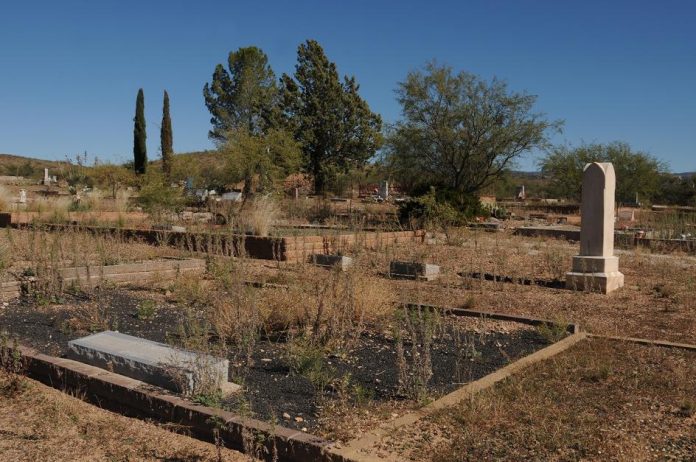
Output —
(685, 174)
(12, 164)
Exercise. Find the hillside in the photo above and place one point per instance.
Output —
(11, 164)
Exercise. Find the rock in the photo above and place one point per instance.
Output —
(299, 419)
(286, 416)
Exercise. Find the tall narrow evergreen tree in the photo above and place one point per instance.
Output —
(166, 138)
(333, 124)
(139, 135)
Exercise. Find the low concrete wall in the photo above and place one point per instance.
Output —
(301, 248)
(135, 398)
(127, 272)
(132, 272)
(288, 248)
(569, 234)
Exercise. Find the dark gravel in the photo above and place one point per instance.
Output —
(271, 387)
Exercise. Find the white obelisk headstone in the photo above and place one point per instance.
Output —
(596, 268)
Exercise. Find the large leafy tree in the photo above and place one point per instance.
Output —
(166, 138)
(241, 96)
(260, 160)
(139, 135)
(460, 133)
(637, 173)
(333, 124)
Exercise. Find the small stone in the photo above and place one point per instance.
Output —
(299, 419)
(304, 429)
(286, 416)
(266, 360)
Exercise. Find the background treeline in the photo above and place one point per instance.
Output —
(459, 136)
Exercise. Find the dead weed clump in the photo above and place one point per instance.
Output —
(333, 309)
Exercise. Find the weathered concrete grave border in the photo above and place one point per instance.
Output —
(163, 269)
(295, 249)
(359, 449)
(135, 398)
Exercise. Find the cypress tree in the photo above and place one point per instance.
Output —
(166, 138)
(139, 135)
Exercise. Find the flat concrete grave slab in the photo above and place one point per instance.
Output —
(332, 261)
(413, 270)
(151, 362)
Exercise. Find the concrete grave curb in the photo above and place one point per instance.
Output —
(136, 399)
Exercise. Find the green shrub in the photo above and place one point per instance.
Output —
(440, 209)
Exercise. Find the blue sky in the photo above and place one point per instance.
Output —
(70, 70)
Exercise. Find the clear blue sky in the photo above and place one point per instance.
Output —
(613, 70)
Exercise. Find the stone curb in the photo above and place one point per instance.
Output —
(137, 399)
(644, 341)
(358, 449)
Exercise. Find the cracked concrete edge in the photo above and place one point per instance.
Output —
(645, 341)
(359, 448)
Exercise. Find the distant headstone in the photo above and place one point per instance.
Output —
(233, 196)
(596, 268)
(412, 270)
(627, 215)
(332, 261)
(151, 362)
(22, 196)
(384, 190)
(46, 178)
(521, 194)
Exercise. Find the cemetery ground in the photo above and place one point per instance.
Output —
(320, 350)
(38, 422)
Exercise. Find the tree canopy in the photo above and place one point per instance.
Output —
(260, 160)
(243, 96)
(459, 132)
(638, 174)
(333, 124)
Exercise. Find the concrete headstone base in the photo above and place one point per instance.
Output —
(595, 282)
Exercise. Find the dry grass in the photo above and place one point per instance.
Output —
(657, 301)
(6, 199)
(44, 424)
(259, 215)
(30, 248)
(601, 400)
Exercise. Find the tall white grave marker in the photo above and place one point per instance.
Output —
(596, 268)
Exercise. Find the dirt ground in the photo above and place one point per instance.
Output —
(658, 300)
(601, 400)
(44, 424)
